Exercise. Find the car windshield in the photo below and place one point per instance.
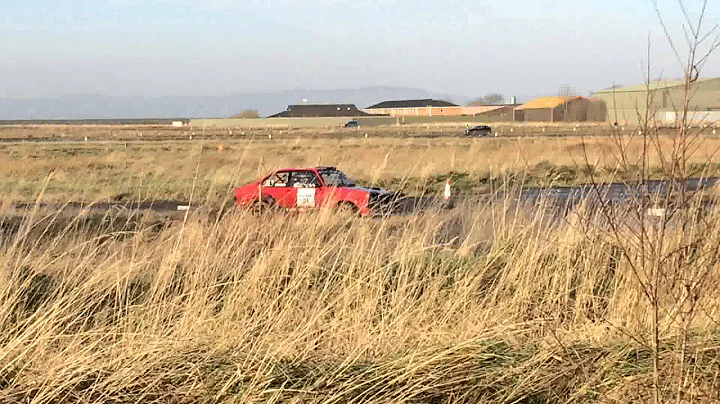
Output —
(335, 178)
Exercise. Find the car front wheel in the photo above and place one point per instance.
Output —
(262, 206)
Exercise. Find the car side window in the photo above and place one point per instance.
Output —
(304, 179)
(277, 180)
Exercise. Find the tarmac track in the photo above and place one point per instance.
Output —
(562, 198)
(159, 206)
(617, 193)
(211, 138)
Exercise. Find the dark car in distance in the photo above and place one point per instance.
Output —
(478, 131)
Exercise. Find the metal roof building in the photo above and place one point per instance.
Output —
(412, 104)
(665, 98)
(320, 110)
(426, 107)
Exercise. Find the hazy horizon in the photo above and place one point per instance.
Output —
(223, 47)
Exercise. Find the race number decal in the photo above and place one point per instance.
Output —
(306, 197)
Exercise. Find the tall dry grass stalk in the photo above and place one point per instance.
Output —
(672, 256)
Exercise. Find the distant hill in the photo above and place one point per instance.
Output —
(113, 107)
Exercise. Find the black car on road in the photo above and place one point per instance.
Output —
(478, 131)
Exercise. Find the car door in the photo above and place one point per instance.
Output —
(308, 189)
(332, 188)
(278, 187)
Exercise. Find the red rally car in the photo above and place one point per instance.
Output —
(313, 188)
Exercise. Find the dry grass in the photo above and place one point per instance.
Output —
(484, 303)
(481, 304)
(100, 171)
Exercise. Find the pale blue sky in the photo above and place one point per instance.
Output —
(215, 47)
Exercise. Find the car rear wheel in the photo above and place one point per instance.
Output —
(347, 208)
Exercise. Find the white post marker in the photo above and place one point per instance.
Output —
(183, 208)
(448, 191)
(656, 212)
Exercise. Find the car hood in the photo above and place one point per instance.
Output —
(373, 190)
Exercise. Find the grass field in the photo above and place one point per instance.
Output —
(150, 132)
(482, 303)
(181, 169)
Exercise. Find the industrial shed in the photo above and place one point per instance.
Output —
(665, 98)
(426, 107)
(561, 109)
(320, 110)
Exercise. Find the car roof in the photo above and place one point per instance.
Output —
(306, 169)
